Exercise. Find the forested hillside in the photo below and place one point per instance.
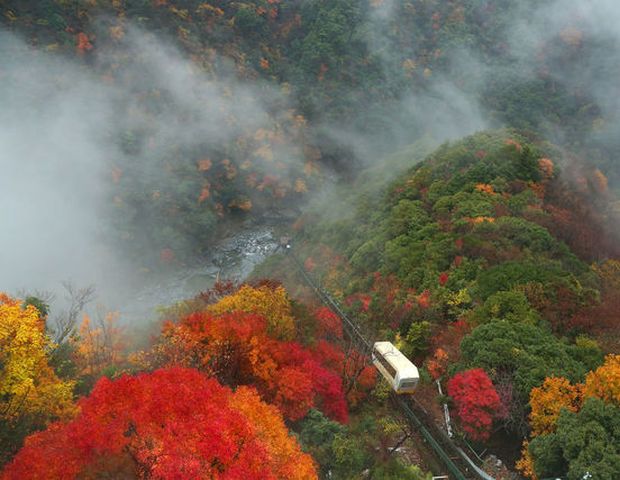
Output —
(208, 398)
(447, 170)
(492, 268)
(227, 108)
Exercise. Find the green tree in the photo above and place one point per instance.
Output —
(396, 470)
(407, 215)
(249, 21)
(418, 337)
(526, 352)
(585, 445)
(511, 306)
(508, 275)
(41, 305)
(332, 446)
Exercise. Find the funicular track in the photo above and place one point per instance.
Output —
(458, 464)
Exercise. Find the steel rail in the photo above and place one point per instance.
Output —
(412, 410)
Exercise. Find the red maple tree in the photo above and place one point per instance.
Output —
(328, 323)
(476, 400)
(238, 349)
(170, 424)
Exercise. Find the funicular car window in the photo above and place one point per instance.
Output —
(390, 369)
(408, 383)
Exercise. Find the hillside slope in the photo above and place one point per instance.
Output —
(293, 90)
(485, 255)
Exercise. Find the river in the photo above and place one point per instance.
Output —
(232, 258)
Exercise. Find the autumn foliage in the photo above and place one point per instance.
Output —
(357, 373)
(83, 43)
(601, 319)
(28, 386)
(328, 323)
(239, 349)
(476, 400)
(557, 394)
(99, 345)
(437, 365)
(386, 301)
(604, 382)
(271, 303)
(447, 347)
(546, 402)
(169, 424)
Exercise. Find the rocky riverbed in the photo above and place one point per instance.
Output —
(232, 258)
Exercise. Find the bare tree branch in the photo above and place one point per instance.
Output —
(65, 322)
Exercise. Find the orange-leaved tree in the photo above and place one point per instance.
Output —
(239, 349)
(99, 344)
(604, 382)
(556, 394)
(546, 402)
(169, 424)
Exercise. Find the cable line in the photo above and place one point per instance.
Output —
(458, 463)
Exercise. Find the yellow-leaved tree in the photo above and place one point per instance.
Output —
(271, 303)
(31, 395)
